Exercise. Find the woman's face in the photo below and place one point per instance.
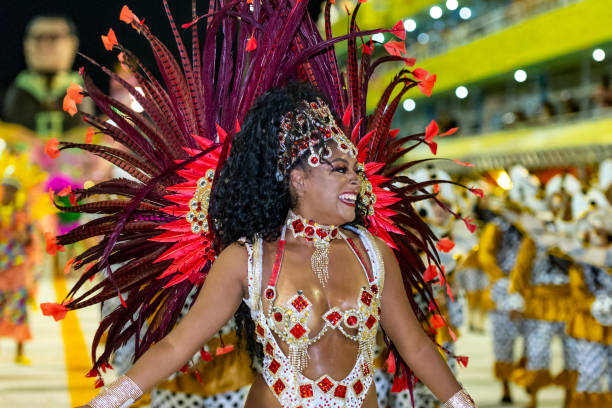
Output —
(328, 193)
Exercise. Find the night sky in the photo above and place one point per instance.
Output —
(93, 18)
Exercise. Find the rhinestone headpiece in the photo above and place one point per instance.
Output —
(309, 128)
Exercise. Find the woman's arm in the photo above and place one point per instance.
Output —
(402, 326)
(217, 302)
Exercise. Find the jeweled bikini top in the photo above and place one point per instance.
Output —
(289, 321)
(288, 384)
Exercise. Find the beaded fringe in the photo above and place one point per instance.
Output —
(320, 261)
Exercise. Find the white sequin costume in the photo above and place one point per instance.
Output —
(288, 384)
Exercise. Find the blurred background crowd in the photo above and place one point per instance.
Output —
(527, 82)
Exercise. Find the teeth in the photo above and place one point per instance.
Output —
(348, 197)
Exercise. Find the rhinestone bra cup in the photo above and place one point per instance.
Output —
(282, 373)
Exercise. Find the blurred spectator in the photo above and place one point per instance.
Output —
(570, 104)
(34, 100)
(602, 95)
(547, 112)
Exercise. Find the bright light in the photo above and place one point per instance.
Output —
(435, 12)
(2, 145)
(135, 106)
(520, 75)
(599, 55)
(452, 4)
(461, 92)
(10, 169)
(409, 105)
(423, 38)
(503, 180)
(378, 37)
(410, 25)
(465, 13)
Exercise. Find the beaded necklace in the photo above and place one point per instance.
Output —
(321, 236)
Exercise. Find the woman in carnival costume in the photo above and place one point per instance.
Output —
(18, 249)
(291, 190)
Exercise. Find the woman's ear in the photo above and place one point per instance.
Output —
(297, 182)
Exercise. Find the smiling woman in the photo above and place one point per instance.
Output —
(285, 222)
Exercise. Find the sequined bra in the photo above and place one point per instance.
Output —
(282, 373)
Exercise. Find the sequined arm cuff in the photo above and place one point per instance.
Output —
(120, 394)
(461, 399)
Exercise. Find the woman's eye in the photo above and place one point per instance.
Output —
(342, 170)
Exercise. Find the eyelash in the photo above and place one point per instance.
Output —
(343, 170)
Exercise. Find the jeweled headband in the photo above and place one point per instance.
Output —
(309, 128)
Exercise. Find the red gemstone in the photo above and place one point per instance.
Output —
(278, 386)
(278, 316)
(358, 387)
(313, 105)
(270, 293)
(351, 321)
(314, 160)
(333, 318)
(321, 233)
(366, 298)
(297, 331)
(306, 391)
(269, 349)
(343, 146)
(274, 366)
(370, 322)
(365, 369)
(340, 391)
(334, 129)
(334, 232)
(310, 231)
(260, 330)
(298, 226)
(299, 303)
(325, 384)
(374, 288)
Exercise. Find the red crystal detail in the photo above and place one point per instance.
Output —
(321, 233)
(298, 226)
(278, 316)
(314, 160)
(343, 146)
(340, 391)
(310, 231)
(299, 303)
(306, 391)
(269, 349)
(358, 387)
(334, 232)
(325, 384)
(313, 105)
(365, 369)
(374, 288)
(370, 322)
(274, 366)
(333, 318)
(270, 293)
(351, 320)
(297, 331)
(334, 129)
(366, 298)
(260, 330)
(278, 386)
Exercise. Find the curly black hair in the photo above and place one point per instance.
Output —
(248, 200)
